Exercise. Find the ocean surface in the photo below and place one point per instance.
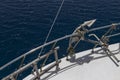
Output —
(24, 24)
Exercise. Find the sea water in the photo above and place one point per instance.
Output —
(24, 24)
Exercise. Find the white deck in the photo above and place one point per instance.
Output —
(86, 66)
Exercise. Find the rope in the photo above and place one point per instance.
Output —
(52, 25)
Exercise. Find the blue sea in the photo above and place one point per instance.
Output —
(24, 24)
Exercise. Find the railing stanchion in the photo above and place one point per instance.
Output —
(56, 58)
(36, 70)
(12, 78)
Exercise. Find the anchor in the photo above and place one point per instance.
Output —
(102, 42)
(74, 40)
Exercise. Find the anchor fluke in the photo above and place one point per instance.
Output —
(81, 30)
(89, 23)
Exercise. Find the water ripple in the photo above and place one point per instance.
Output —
(24, 24)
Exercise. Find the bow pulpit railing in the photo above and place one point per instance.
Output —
(34, 64)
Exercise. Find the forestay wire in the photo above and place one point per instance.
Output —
(52, 26)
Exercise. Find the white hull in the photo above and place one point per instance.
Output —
(86, 66)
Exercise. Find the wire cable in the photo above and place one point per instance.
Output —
(52, 25)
